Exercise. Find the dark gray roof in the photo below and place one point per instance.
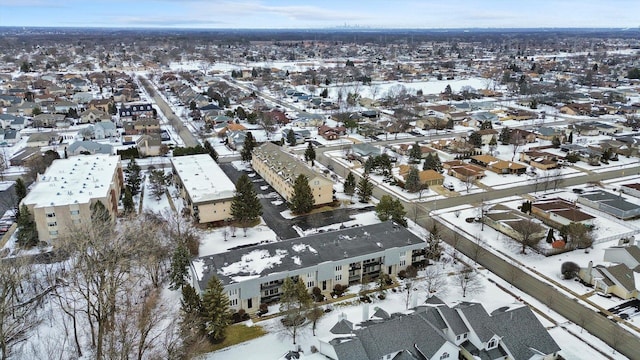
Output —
(380, 313)
(405, 355)
(409, 333)
(478, 319)
(350, 348)
(91, 146)
(453, 319)
(523, 334)
(613, 200)
(343, 326)
(312, 250)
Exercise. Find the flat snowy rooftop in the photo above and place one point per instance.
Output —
(75, 180)
(202, 178)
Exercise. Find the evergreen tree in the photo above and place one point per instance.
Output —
(294, 304)
(212, 152)
(134, 179)
(570, 139)
(247, 147)
(324, 93)
(217, 315)
(475, 139)
(245, 206)
(350, 184)
(415, 154)
(429, 163)
(505, 136)
(447, 90)
(179, 272)
(192, 316)
(493, 141)
(555, 141)
(486, 125)
(291, 138)
(388, 208)
(365, 189)
(127, 202)
(434, 249)
(310, 154)
(550, 236)
(21, 193)
(27, 233)
(302, 198)
(412, 183)
(369, 165)
(99, 213)
(158, 182)
(437, 164)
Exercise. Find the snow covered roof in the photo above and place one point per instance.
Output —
(75, 180)
(202, 178)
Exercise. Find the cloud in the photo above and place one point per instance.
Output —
(308, 13)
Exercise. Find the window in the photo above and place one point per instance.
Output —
(53, 233)
(75, 212)
(338, 277)
(233, 292)
(339, 268)
(233, 302)
(444, 356)
(493, 343)
(50, 215)
(311, 284)
(52, 224)
(311, 275)
(458, 337)
(249, 303)
(403, 262)
(324, 285)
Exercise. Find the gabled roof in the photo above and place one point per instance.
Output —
(523, 334)
(343, 326)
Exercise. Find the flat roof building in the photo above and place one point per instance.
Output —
(205, 189)
(61, 198)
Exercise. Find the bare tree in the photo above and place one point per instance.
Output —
(557, 178)
(478, 249)
(528, 232)
(468, 280)
(435, 280)
(408, 289)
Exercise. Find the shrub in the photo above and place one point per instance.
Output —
(569, 270)
(338, 290)
(239, 316)
(263, 309)
(411, 271)
(317, 294)
(402, 274)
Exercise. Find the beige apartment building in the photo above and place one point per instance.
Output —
(280, 170)
(205, 189)
(61, 198)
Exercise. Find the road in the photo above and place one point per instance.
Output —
(188, 138)
(607, 330)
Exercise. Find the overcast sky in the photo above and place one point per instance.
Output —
(321, 14)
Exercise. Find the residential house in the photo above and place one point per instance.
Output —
(561, 211)
(93, 115)
(11, 136)
(487, 134)
(505, 220)
(204, 188)
(305, 119)
(19, 123)
(499, 166)
(104, 130)
(149, 144)
(589, 155)
(463, 171)
(576, 109)
(101, 104)
(427, 177)
(142, 126)
(135, 111)
(7, 119)
(280, 170)
(437, 331)
(47, 120)
(521, 136)
(62, 197)
(610, 203)
(320, 260)
(627, 254)
(88, 148)
(42, 139)
(548, 133)
(539, 159)
(331, 133)
(300, 134)
(21, 157)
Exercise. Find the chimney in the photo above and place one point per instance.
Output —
(365, 311)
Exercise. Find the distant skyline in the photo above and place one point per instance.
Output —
(272, 14)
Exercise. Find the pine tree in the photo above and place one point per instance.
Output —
(192, 315)
(550, 236)
(294, 304)
(437, 165)
(21, 193)
(179, 271)
(493, 141)
(388, 208)
(369, 165)
(27, 233)
(134, 178)
(245, 206)
(415, 154)
(570, 139)
(247, 147)
(412, 183)
(350, 184)
(365, 189)
(158, 182)
(302, 198)
(505, 136)
(127, 202)
(291, 138)
(429, 163)
(475, 139)
(555, 141)
(310, 154)
(217, 315)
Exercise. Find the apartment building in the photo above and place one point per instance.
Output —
(255, 275)
(62, 197)
(205, 189)
(280, 170)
